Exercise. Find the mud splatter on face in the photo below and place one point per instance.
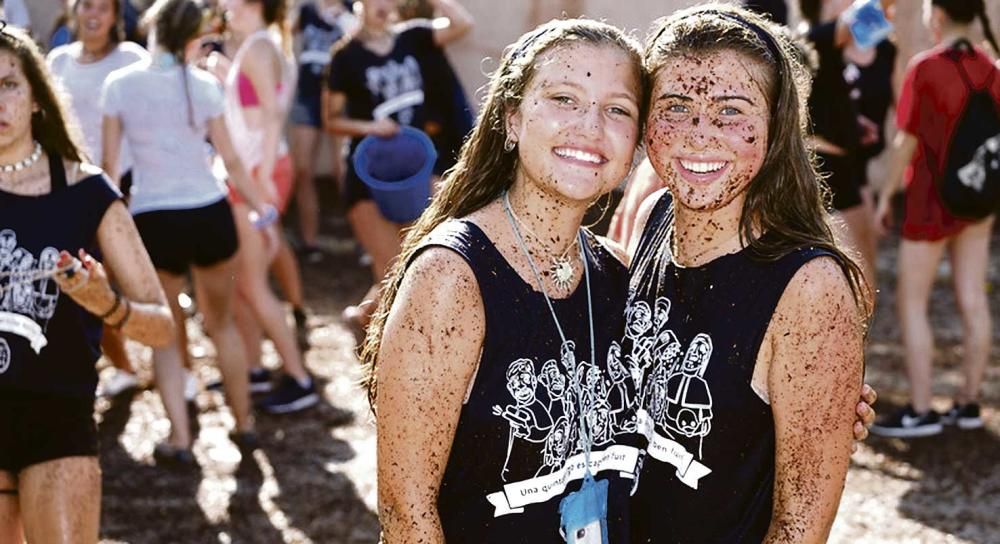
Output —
(707, 130)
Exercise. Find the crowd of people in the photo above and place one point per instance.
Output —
(695, 376)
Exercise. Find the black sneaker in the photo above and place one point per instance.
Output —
(260, 382)
(963, 416)
(906, 423)
(301, 329)
(289, 397)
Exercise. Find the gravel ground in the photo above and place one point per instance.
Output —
(313, 480)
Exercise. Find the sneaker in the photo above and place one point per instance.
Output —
(120, 382)
(169, 456)
(311, 254)
(301, 329)
(245, 441)
(906, 423)
(963, 416)
(260, 382)
(289, 397)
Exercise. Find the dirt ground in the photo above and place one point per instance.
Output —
(313, 480)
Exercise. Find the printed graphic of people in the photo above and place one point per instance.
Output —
(689, 400)
(620, 399)
(529, 419)
(638, 322)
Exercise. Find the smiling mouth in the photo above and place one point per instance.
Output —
(698, 167)
(579, 155)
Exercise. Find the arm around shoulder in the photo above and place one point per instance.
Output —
(814, 381)
(428, 356)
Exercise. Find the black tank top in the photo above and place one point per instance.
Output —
(48, 343)
(708, 473)
(516, 451)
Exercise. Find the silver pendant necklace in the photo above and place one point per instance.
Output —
(561, 269)
(23, 163)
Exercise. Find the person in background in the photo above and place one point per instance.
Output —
(180, 208)
(380, 70)
(931, 101)
(56, 212)
(259, 86)
(834, 116)
(81, 68)
(319, 24)
(16, 13)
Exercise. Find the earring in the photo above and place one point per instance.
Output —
(509, 144)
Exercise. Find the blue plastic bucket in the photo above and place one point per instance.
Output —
(398, 172)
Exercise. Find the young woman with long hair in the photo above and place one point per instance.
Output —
(179, 206)
(937, 85)
(380, 69)
(745, 316)
(259, 85)
(81, 67)
(55, 212)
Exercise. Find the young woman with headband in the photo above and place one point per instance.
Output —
(745, 317)
(937, 85)
(55, 212)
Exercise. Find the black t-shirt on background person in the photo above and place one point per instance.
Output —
(48, 343)
(872, 93)
(319, 34)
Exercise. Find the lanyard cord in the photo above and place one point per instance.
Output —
(584, 433)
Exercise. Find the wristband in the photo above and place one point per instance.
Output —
(124, 319)
(263, 220)
(114, 307)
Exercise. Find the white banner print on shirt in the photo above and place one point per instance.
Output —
(516, 495)
(661, 448)
(25, 327)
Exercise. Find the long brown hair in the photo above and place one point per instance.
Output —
(787, 199)
(484, 169)
(50, 124)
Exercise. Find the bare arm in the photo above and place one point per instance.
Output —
(814, 382)
(143, 312)
(903, 148)
(455, 21)
(238, 175)
(261, 66)
(430, 349)
(335, 122)
(111, 142)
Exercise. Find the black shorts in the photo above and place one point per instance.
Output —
(38, 427)
(179, 239)
(844, 179)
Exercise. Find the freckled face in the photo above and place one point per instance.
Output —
(577, 124)
(707, 131)
(94, 19)
(16, 101)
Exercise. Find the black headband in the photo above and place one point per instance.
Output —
(530, 40)
(764, 36)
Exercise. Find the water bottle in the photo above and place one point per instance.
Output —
(867, 22)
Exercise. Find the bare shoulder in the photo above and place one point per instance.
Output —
(819, 286)
(438, 275)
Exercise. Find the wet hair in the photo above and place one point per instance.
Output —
(117, 32)
(484, 169)
(50, 125)
(787, 201)
(964, 12)
(176, 23)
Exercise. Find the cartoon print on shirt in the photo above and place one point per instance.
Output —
(638, 322)
(545, 409)
(689, 400)
(22, 290)
(396, 81)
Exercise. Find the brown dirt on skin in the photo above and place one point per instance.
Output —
(313, 479)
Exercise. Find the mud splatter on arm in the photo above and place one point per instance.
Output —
(814, 382)
(429, 353)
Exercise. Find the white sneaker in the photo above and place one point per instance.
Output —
(190, 386)
(119, 382)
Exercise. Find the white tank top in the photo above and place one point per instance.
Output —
(248, 138)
